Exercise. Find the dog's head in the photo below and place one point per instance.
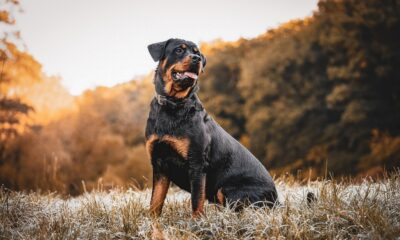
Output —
(180, 64)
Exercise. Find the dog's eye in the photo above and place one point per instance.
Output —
(179, 50)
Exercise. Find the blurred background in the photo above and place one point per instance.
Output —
(312, 88)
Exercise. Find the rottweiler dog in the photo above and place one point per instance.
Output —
(186, 146)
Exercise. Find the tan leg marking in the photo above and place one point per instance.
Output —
(200, 208)
(160, 189)
(220, 197)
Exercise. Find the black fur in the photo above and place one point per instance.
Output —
(157, 50)
(214, 155)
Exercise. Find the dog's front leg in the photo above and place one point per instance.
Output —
(160, 188)
(198, 190)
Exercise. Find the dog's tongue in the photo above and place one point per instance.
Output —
(190, 74)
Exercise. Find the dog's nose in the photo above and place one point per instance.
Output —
(195, 58)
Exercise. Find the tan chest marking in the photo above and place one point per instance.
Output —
(150, 144)
(180, 145)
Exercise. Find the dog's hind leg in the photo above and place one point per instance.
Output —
(239, 197)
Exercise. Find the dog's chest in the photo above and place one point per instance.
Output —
(169, 135)
(167, 146)
(171, 155)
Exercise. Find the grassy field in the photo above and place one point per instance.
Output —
(344, 210)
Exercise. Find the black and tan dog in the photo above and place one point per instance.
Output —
(187, 147)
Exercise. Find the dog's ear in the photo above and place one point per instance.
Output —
(203, 60)
(157, 50)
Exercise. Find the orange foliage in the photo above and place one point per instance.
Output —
(97, 137)
(385, 152)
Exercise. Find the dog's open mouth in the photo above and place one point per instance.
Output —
(184, 75)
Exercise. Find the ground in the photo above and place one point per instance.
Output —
(343, 210)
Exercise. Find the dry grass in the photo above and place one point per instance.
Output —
(344, 210)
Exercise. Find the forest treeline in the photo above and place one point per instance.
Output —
(312, 97)
(315, 94)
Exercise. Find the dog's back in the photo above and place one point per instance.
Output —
(241, 176)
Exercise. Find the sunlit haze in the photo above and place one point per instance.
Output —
(98, 42)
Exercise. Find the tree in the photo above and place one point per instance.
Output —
(16, 68)
(313, 91)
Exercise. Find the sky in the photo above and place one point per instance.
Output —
(91, 43)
